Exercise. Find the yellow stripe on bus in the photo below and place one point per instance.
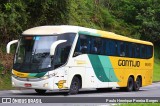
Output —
(20, 74)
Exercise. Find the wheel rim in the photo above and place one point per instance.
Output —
(75, 86)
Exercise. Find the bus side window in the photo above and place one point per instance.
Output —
(100, 43)
(85, 44)
(137, 51)
(132, 50)
(82, 46)
(127, 50)
(149, 51)
(122, 49)
(94, 48)
(143, 52)
(107, 48)
(112, 47)
(77, 49)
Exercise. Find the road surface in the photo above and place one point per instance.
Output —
(148, 91)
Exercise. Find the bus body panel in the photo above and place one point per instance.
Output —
(96, 71)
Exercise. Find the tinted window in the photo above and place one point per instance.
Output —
(102, 46)
(96, 46)
(122, 49)
(143, 52)
(149, 51)
(83, 45)
(127, 50)
(137, 51)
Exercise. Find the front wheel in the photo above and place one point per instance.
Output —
(75, 85)
(40, 91)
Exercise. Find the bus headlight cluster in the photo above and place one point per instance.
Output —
(45, 77)
(48, 76)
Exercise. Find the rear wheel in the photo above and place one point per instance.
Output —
(75, 86)
(137, 84)
(130, 84)
(40, 91)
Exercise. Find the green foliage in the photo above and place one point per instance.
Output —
(156, 72)
(13, 18)
(134, 18)
(47, 12)
(5, 82)
(81, 13)
(141, 17)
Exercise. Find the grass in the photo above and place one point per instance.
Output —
(156, 72)
(5, 82)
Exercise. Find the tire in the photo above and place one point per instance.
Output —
(40, 91)
(130, 84)
(75, 86)
(137, 84)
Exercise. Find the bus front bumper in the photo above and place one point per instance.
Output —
(47, 84)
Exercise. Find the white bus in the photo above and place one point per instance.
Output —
(70, 57)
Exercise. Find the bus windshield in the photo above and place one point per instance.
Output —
(33, 52)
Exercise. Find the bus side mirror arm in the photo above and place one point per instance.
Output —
(54, 45)
(9, 45)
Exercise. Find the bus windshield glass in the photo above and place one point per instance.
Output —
(33, 52)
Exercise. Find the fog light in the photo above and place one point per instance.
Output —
(45, 85)
(13, 84)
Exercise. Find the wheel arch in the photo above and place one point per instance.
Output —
(132, 77)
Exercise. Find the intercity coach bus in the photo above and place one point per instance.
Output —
(70, 58)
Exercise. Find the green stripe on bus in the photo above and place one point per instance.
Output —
(88, 33)
(32, 75)
(109, 71)
(103, 68)
(40, 74)
(98, 68)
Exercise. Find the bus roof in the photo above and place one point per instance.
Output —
(52, 30)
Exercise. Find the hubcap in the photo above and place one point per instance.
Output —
(75, 84)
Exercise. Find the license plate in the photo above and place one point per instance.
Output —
(27, 85)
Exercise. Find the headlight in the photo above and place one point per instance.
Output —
(48, 76)
(45, 77)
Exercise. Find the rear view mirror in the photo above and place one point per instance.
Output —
(9, 45)
(54, 45)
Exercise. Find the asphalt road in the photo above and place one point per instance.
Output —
(148, 91)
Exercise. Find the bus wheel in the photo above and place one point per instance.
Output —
(130, 84)
(75, 85)
(40, 91)
(137, 84)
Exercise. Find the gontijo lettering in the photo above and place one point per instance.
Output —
(130, 63)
